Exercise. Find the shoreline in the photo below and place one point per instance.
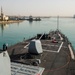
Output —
(11, 21)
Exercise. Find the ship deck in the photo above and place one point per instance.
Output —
(57, 57)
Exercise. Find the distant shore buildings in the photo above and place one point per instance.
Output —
(6, 19)
(3, 17)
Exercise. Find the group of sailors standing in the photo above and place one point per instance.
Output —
(5, 46)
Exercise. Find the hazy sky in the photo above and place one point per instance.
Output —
(38, 7)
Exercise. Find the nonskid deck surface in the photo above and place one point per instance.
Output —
(56, 57)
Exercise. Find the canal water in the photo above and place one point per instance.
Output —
(16, 32)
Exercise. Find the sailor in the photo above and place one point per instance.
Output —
(4, 47)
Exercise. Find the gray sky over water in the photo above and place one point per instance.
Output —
(38, 7)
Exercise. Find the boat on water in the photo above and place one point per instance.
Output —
(44, 54)
(31, 19)
(37, 19)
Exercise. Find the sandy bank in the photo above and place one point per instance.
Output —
(11, 21)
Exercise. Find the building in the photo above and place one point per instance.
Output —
(3, 17)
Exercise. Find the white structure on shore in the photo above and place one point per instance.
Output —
(3, 17)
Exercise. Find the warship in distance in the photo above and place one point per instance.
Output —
(44, 54)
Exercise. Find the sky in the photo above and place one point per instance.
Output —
(38, 7)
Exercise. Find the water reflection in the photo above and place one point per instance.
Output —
(15, 32)
(30, 22)
(3, 26)
(18, 23)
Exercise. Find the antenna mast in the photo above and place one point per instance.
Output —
(57, 22)
(1, 10)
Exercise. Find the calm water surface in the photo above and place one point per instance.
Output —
(14, 33)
